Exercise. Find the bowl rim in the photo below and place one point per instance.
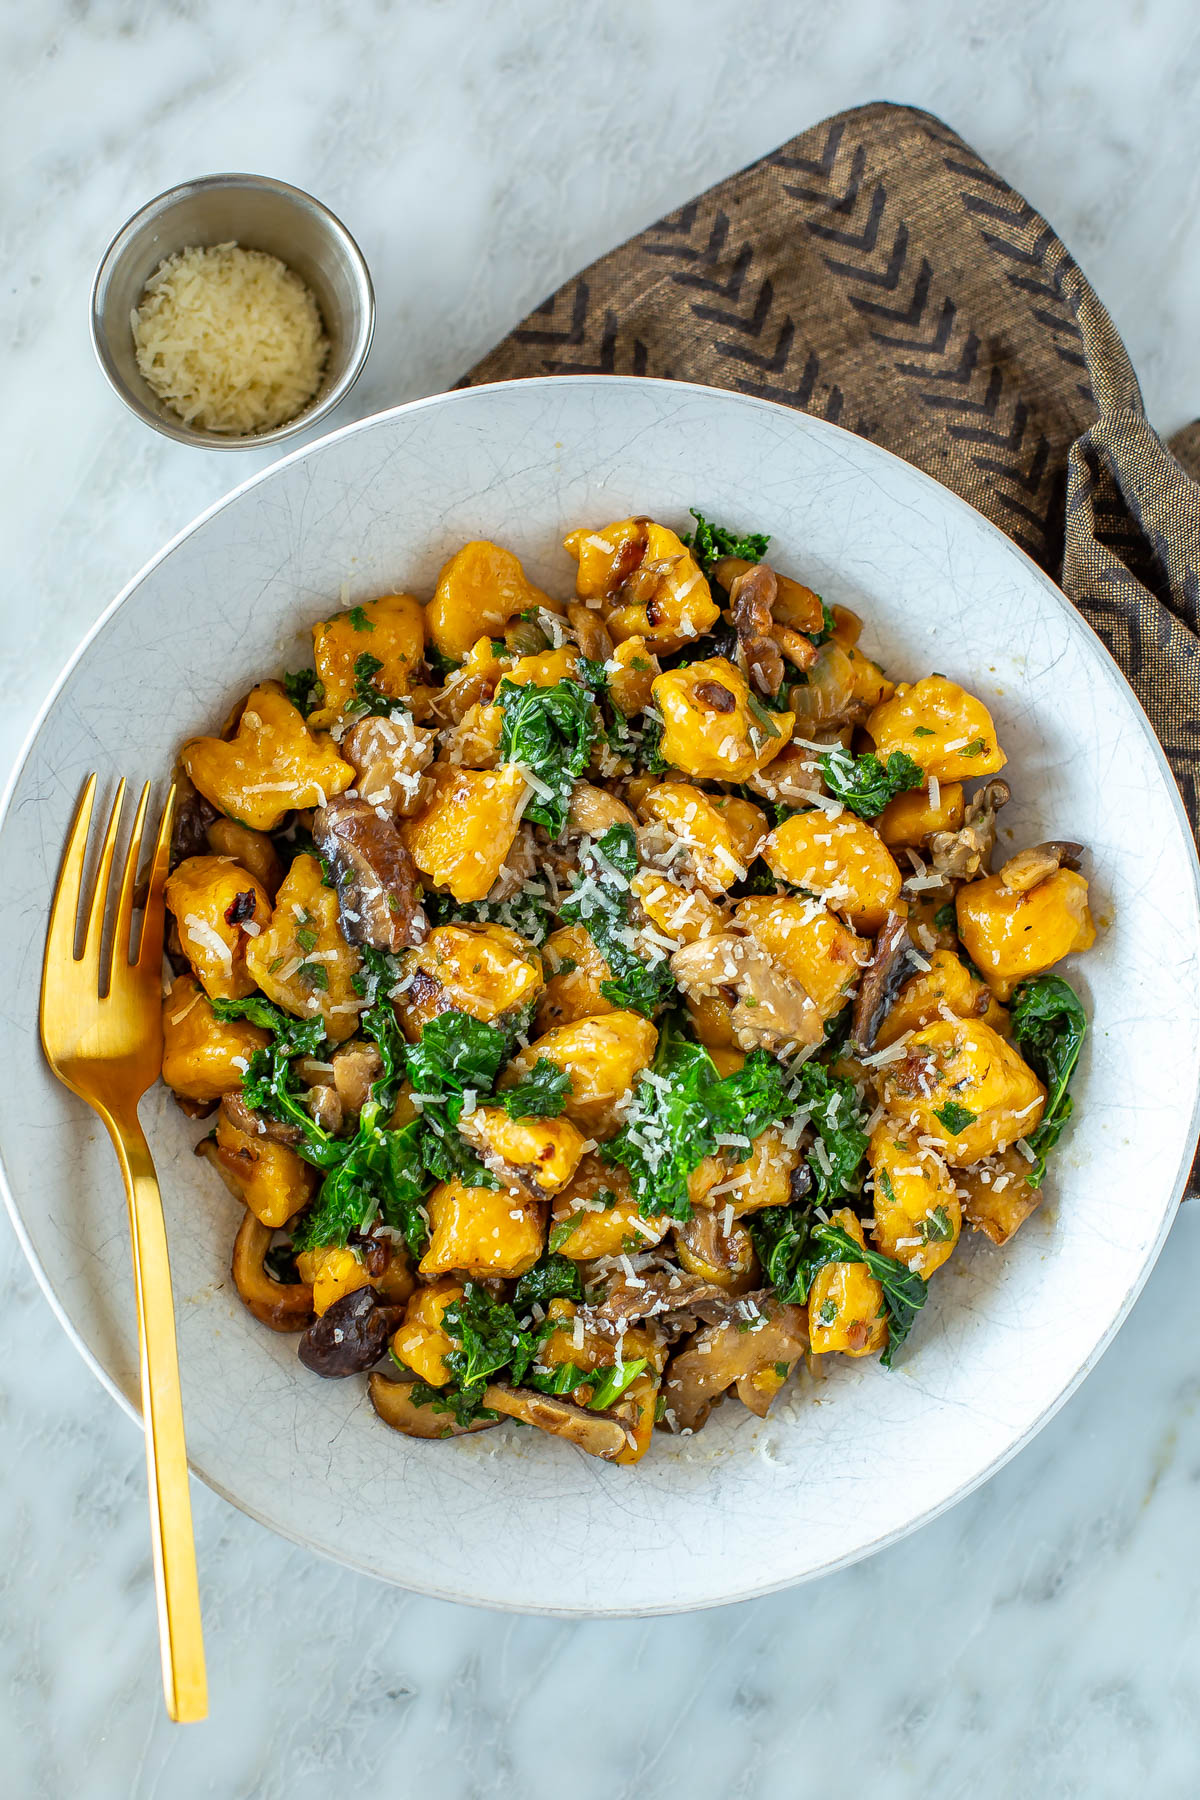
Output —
(159, 206)
(442, 1591)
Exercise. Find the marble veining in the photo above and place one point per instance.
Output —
(1040, 1639)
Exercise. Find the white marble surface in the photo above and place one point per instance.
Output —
(1042, 1638)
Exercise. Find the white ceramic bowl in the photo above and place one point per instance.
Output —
(515, 1519)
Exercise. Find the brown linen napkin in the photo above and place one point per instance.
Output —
(877, 273)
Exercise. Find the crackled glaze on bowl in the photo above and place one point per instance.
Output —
(841, 1467)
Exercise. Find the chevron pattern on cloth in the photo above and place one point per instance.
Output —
(877, 273)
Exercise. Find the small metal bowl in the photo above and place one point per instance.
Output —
(259, 214)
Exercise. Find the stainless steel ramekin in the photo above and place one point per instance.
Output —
(259, 214)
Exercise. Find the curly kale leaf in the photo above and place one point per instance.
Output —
(904, 1289)
(709, 542)
(792, 1246)
(553, 1278)
(457, 1052)
(680, 1110)
(270, 1084)
(865, 784)
(1049, 1024)
(550, 733)
(490, 1341)
(838, 1122)
(600, 903)
(529, 912)
(542, 1093)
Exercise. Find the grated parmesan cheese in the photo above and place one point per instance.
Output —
(231, 339)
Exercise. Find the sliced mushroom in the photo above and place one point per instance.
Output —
(257, 1124)
(284, 1306)
(517, 868)
(880, 980)
(594, 810)
(751, 597)
(593, 1432)
(756, 1336)
(1024, 870)
(770, 1010)
(376, 877)
(355, 1067)
(668, 1298)
(388, 756)
(253, 849)
(964, 854)
(589, 631)
(800, 651)
(190, 820)
(351, 1336)
(723, 1255)
(792, 777)
(395, 1405)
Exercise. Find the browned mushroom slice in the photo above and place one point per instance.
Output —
(284, 1306)
(355, 1067)
(964, 854)
(996, 1195)
(751, 597)
(190, 820)
(350, 1336)
(376, 877)
(880, 980)
(388, 756)
(594, 810)
(669, 1299)
(593, 1432)
(1024, 870)
(518, 867)
(770, 1010)
(792, 777)
(747, 1349)
(718, 1251)
(589, 631)
(395, 1405)
(257, 1124)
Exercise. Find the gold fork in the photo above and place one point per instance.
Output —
(101, 1024)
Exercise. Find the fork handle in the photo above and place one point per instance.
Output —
(174, 1549)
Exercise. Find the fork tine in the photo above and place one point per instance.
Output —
(99, 906)
(64, 913)
(119, 956)
(153, 919)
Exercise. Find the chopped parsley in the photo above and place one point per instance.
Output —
(935, 1227)
(954, 1117)
(368, 699)
(359, 620)
(304, 689)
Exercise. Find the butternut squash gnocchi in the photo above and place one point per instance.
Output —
(604, 998)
